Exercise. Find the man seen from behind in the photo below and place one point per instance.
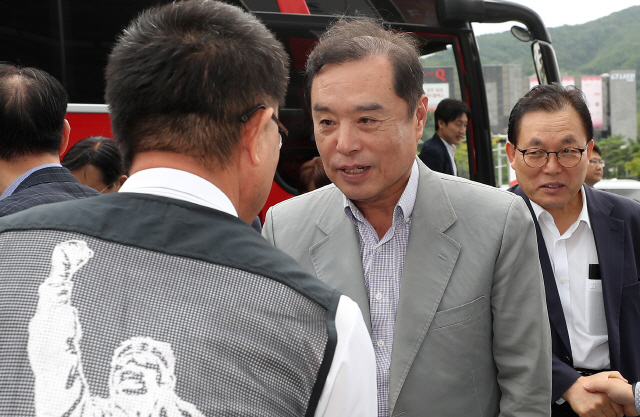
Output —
(33, 135)
(161, 300)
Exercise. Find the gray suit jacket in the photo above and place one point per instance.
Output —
(472, 333)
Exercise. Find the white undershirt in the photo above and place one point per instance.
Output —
(581, 298)
(350, 388)
(451, 149)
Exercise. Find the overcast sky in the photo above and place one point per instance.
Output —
(556, 13)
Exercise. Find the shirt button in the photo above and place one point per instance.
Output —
(378, 296)
(407, 220)
(379, 249)
(380, 343)
(562, 280)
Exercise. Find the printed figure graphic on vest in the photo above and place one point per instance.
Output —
(142, 377)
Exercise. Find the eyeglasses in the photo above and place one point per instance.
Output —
(281, 129)
(537, 158)
(597, 162)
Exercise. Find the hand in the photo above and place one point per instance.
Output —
(593, 404)
(617, 390)
(67, 258)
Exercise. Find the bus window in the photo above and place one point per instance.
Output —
(441, 80)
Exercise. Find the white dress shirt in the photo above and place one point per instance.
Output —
(451, 149)
(350, 388)
(581, 298)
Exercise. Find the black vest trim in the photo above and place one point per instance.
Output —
(330, 350)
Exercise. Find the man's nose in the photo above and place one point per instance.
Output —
(553, 163)
(347, 140)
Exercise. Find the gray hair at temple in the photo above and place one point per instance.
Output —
(350, 40)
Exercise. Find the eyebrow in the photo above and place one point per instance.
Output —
(361, 107)
(567, 140)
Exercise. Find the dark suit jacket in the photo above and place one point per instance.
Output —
(615, 222)
(47, 185)
(435, 155)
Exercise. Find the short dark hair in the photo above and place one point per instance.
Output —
(596, 149)
(99, 151)
(312, 176)
(550, 98)
(350, 40)
(449, 109)
(32, 109)
(180, 76)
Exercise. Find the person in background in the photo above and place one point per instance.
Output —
(451, 119)
(33, 135)
(589, 246)
(312, 176)
(96, 161)
(595, 168)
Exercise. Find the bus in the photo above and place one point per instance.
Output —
(71, 39)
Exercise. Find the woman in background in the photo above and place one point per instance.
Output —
(96, 161)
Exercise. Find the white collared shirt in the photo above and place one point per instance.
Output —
(451, 149)
(350, 387)
(181, 185)
(581, 298)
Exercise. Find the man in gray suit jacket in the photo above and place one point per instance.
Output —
(444, 270)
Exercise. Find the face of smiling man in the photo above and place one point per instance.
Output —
(364, 134)
(554, 187)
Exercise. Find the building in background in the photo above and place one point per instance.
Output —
(622, 109)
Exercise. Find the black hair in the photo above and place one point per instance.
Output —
(350, 40)
(99, 151)
(33, 105)
(180, 76)
(449, 109)
(550, 98)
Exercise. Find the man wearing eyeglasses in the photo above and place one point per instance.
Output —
(589, 246)
(595, 168)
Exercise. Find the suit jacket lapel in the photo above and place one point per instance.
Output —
(336, 258)
(448, 169)
(431, 256)
(608, 233)
(554, 306)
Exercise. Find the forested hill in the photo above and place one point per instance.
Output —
(594, 48)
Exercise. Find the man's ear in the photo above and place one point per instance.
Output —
(590, 148)
(511, 153)
(421, 114)
(121, 179)
(66, 130)
(252, 132)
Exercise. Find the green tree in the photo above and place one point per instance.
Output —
(617, 154)
(462, 159)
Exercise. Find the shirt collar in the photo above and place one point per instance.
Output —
(450, 148)
(404, 205)
(544, 216)
(15, 184)
(181, 185)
